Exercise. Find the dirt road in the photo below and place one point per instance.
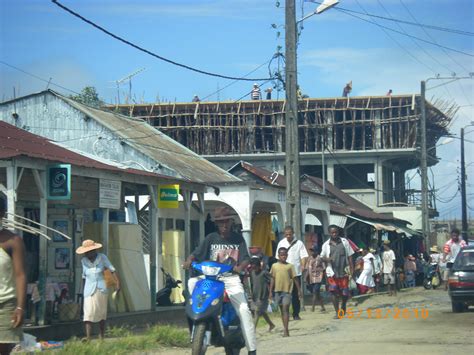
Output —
(423, 324)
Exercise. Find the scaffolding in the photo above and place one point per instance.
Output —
(339, 124)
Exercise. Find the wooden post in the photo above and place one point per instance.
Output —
(40, 179)
(153, 191)
(105, 230)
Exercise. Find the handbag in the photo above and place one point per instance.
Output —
(109, 279)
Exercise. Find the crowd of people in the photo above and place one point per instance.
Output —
(335, 266)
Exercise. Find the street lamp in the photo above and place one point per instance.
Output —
(292, 163)
(424, 169)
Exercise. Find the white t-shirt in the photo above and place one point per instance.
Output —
(368, 263)
(295, 254)
(377, 264)
(326, 253)
(388, 261)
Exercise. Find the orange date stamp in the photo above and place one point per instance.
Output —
(379, 313)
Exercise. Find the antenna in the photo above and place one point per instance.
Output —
(129, 79)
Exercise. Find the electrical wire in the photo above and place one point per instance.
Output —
(432, 27)
(384, 29)
(415, 42)
(152, 53)
(50, 82)
(399, 32)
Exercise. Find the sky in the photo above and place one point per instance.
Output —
(41, 43)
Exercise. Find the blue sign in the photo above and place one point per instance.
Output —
(59, 182)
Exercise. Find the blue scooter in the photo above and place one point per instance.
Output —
(212, 319)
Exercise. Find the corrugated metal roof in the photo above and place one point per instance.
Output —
(158, 146)
(272, 177)
(16, 142)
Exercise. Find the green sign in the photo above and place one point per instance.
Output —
(59, 182)
(168, 196)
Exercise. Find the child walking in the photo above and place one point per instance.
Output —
(314, 277)
(283, 277)
(260, 281)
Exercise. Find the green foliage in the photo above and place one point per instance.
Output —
(88, 96)
(122, 341)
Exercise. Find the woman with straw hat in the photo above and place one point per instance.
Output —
(94, 265)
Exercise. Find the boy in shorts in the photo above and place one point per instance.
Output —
(260, 281)
(283, 276)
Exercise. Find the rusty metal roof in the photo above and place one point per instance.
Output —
(15, 142)
(343, 203)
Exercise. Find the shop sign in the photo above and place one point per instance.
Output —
(168, 196)
(59, 181)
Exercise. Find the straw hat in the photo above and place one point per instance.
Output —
(372, 250)
(411, 257)
(434, 249)
(88, 245)
(386, 242)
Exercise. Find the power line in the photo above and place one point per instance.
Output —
(151, 53)
(432, 27)
(393, 39)
(404, 34)
(428, 35)
(415, 42)
(235, 81)
(39, 78)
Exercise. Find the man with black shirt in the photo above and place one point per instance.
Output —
(229, 248)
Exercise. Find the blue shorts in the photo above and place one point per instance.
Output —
(314, 288)
(282, 298)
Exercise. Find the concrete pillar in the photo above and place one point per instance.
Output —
(378, 183)
(247, 235)
(330, 172)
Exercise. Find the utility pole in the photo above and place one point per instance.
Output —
(424, 171)
(292, 162)
(463, 192)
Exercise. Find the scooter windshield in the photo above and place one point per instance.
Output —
(212, 268)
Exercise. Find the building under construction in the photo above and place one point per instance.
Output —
(369, 142)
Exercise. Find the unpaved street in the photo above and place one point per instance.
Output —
(442, 332)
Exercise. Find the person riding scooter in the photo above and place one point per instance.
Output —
(229, 248)
(433, 276)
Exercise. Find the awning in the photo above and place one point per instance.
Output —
(377, 225)
(407, 232)
(337, 220)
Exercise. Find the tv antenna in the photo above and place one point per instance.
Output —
(125, 79)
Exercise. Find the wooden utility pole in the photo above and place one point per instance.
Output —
(292, 162)
(424, 171)
(464, 225)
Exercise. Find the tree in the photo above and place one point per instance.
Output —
(88, 96)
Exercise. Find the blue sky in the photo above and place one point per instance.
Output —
(233, 37)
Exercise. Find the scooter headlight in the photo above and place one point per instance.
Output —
(210, 270)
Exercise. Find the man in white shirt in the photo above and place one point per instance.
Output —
(337, 253)
(388, 268)
(297, 255)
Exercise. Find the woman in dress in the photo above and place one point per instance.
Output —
(365, 282)
(12, 286)
(95, 290)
